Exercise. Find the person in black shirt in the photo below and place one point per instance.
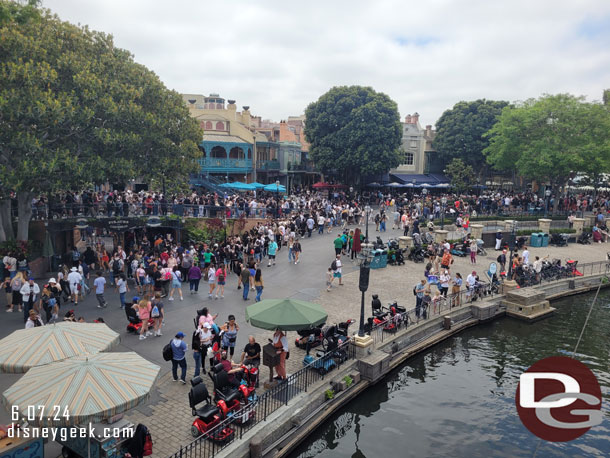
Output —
(251, 353)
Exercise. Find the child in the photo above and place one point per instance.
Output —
(436, 301)
(329, 278)
(54, 311)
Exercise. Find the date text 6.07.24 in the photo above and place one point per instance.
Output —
(41, 413)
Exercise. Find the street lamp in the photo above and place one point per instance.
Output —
(365, 256)
(513, 247)
(443, 204)
(547, 193)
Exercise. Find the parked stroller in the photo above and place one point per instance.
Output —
(584, 238)
(559, 240)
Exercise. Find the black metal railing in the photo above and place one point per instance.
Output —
(100, 210)
(267, 403)
(437, 306)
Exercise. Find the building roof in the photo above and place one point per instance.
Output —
(223, 139)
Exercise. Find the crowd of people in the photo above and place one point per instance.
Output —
(260, 204)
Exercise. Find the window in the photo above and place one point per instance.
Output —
(408, 158)
(413, 144)
(220, 125)
(208, 125)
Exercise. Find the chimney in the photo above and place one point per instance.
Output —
(415, 118)
(429, 130)
(408, 119)
(245, 116)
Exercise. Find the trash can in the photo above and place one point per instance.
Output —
(545, 240)
(536, 239)
(380, 259)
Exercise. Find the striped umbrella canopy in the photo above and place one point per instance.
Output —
(82, 389)
(28, 348)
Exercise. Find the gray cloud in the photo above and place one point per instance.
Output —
(277, 57)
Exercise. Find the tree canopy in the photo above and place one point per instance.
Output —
(354, 131)
(460, 131)
(75, 110)
(461, 175)
(547, 139)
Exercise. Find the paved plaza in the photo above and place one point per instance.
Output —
(167, 413)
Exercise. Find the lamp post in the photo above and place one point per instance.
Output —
(365, 257)
(443, 205)
(547, 193)
(513, 246)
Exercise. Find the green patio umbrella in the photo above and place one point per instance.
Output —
(285, 314)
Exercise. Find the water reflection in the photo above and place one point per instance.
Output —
(457, 399)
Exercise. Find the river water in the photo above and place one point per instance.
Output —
(458, 398)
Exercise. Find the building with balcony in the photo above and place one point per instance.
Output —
(229, 144)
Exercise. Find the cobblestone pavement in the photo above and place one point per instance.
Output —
(167, 413)
(341, 303)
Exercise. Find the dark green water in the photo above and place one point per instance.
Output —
(457, 399)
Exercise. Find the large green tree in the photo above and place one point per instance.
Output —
(76, 110)
(354, 131)
(460, 131)
(461, 175)
(547, 139)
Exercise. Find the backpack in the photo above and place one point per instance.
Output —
(333, 266)
(155, 312)
(415, 291)
(498, 259)
(116, 266)
(148, 444)
(168, 353)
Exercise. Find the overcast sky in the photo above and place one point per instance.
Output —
(277, 57)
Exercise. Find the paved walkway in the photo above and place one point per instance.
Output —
(167, 413)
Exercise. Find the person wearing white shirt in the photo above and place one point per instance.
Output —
(74, 279)
(29, 293)
(33, 320)
(526, 256)
(471, 281)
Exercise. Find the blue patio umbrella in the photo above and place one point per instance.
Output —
(374, 185)
(274, 188)
(394, 185)
(258, 185)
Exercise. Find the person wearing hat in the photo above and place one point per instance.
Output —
(29, 293)
(179, 348)
(55, 289)
(74, 279)
(33, 320)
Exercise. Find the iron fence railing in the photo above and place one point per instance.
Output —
(436, 307)
(267, 403)
(530, 278)
(102, 210)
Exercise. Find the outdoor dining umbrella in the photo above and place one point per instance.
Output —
(83, 389)
(275, 188)
(27, 348)
(285, 314)
(257, 185)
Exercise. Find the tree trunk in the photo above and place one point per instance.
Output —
(6, 221)
(24, 211)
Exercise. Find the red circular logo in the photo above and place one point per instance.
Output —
(559, 399)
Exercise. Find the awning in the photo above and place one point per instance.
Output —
(419, 179)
